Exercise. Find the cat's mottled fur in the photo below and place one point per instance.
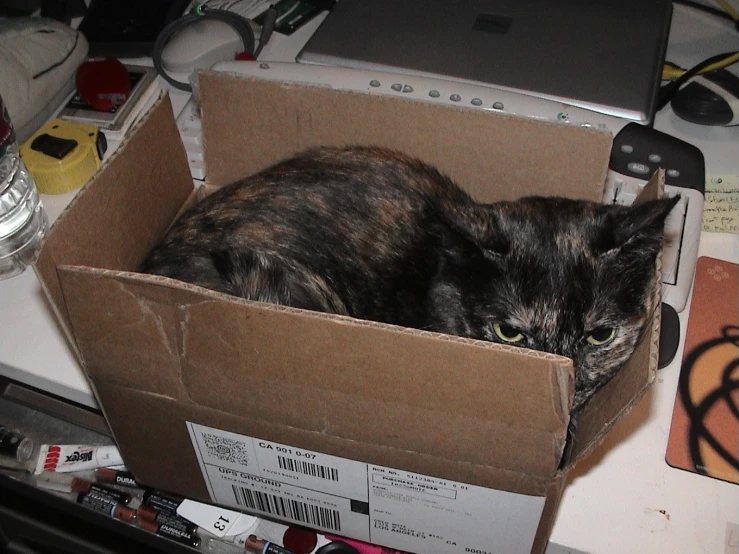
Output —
(374, 234)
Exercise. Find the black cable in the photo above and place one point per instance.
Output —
(240, 24)
(669, 90)
(270, 18)
(60, 62)
(708, 9)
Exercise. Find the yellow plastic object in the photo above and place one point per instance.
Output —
(63, 155)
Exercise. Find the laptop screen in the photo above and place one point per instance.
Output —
(603, 55)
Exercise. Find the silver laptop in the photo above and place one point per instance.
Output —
(602, 55)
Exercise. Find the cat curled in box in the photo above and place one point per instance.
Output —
(374, 234)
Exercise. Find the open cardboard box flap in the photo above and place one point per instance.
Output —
(438, 405)
(493, 156)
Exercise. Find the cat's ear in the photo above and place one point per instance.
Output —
(643, 224)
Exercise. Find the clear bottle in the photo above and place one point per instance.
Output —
(23, 221)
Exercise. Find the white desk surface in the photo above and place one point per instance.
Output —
(622, 499)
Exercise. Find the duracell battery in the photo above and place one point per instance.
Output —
(174, 533)
(82, 485)
(116, 477)
(106, 505)
(152, 514)
(161, 501)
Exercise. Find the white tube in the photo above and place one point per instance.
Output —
(75, 457)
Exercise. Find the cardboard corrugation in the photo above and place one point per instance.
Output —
(384, 368)
(621, 394)
(548, 516)
(468, 145)
(127, 229)
(168, 413)
(159, 353)
(389, 385)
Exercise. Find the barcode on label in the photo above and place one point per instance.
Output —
(308, 468)
(309, 514)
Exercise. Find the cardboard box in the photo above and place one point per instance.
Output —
(414, 440)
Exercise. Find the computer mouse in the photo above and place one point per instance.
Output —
(709, 99)
(669, 336)
(200, 45)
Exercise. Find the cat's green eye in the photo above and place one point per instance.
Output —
(601, 336)
(507, 333)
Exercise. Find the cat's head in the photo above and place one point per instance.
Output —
(570, 277)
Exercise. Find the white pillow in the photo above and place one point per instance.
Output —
(38, 61)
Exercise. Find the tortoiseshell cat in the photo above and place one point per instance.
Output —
(374, 234)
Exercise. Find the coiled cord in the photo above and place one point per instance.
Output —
(240, 24)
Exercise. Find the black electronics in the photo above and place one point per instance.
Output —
(603, 55)
(710, 99)
(128, 28)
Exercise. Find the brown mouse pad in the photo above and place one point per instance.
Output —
(704, 435)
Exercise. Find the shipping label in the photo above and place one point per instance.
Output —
(372, 503)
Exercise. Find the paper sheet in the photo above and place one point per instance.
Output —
(721, 208)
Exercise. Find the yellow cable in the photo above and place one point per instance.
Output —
(670, 72)
(723, 63)
(728, 8)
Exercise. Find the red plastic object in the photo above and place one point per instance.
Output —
(299, 540)
(103, 83)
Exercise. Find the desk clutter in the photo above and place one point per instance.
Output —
(62, 156)
(39, 58)
(340, 424)
(721, 212)
(95, 478)
(23, 221)
(112, 107)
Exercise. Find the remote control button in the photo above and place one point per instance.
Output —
(434, 93)
(674, 173)
(407, 88)
(627, 149)
(636, 167)
(498, 105)
(455, 98)
(655, 158)
(374, 83)
(476, 102)
(397, 87)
